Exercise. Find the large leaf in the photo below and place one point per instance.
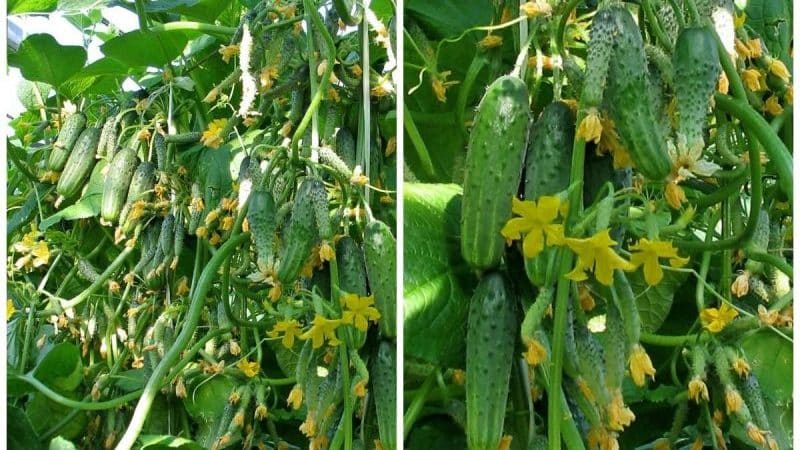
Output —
(770, 357)
(87, 206)
(30, 6)
(206, 402)
(437, 282)
(73, 6)
(61, 367)
(148, 48)
(29, 97)
(102, 70)
(20, 434)
(205, 10)
(449, 18)
(42, 58)
(655, 302)
(44, 414)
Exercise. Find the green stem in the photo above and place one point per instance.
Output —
(100, 281)
(418, 143)
(671, 341)
(348, 398)
(75, 404)
(655, 25)
(776, 261)
(142, 13)
(195, 26)
(415, 407)
(189, 326)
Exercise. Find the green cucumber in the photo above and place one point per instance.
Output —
(178, 238)
(380, 252)
(79, 164)
(301, 235)
(352, 270)
(191, 137)
(625, 301)
(319, 199)
(345, 147)
(329, 157)
(117, 183)
(695, 63)
(67, 138)
(141, 188)
(108, 138)
(383, 389)
(261, 217)
(160, 146)
(493, 169)
(630, 98)
(759, 243)
(491, 333)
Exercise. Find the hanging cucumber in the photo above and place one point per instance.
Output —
(117, 183)
(380, 250)
(67, 138)
(79, 164)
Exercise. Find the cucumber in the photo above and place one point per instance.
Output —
(630, 98)
(141, 188)
(759, 243)
(493, 169)
(261, 217)
(301, 235)
(191, 137)
(345, 147)
(79, 164)
(329, 157)
(117, 183)
(108, 138)
(383, 389)
(319, 199)
(695, 63)
(160, 146)
(352, 270)
(380, 251)
(177, 241)
(67, 138)
(491, 333)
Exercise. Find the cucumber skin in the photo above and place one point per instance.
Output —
(65, 142)
(695, 63)
(117, 183)
(629, 95)
(261, 217)
(301, 236)
(79, 164)
(493, 170)
(352, 270)
(383, 387)
(380, 252)
(549, 156)
(491, 335)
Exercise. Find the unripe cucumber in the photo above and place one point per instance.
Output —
(79, 164)
(160, 146)
(117, 183)
(493, 168)
(67, 138)
(345, 147)
(380, 251)
(759, 243)
(630, 97)
(491, 332)
(261, 217)
(183, 138)
(695, 62)
(383, 388)
(141, 188)
(301, 235)
(352, 271)
(329, 157)
(108, 138)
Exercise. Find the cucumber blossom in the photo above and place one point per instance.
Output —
(491, 333)
(493, 169)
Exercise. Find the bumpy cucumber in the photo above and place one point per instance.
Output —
(759, 243)
(79, 164)
(630, 97)
(329, 157)
(319, 199)
(493, 169)
(261, 217)
(108, 138)
(345, 147)
(66, 140)
(301, 235)
(598, 58)
(695, 62)
(177, 241)
(141, 188)
(183, 138)
(160, 146)
(491, 333)
(622, 295)
(117, 183)
(383, 388)
(615, 348)
(380, 251)
(352, 271)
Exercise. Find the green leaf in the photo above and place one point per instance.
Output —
(28, 96)
(59, 443)
(61, 368)
(655, 302)
(20, 434)
(148, 48)
(87, 206)
(42, 58)
(74, 6)
(150, 442)
(168, 5)
(770, 357)
(449, 18)
(438, 285)
(206, 401)
(96, 74)
(205, 10)
(29, 6)
(45, 413)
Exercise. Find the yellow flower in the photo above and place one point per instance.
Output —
(322, 329)
(359, 311)
(261, 412)
(788, 97)
(741, 367)
(439, 85)
(723, 84)
(196, 205)
(214, 239)
(698, 443)
(490, 41)
(698, 390)
(597, 254)
(772, 106)
(505, 442)
(360, 389)
(228, 51)
(250, 369)
(212, 137)
(536, 353)
(756, 435)
(610, 142)
(590, 128)
(536, 223)
(739, 20)
(716, 319)
(585, 297)
(662, 444)
(777, 68)
(267, 78)
(290, 330)
(733, 400)
(226, 223)
(275, 292)
(356, 71)
(767, 318)
(741, 49)
(647, 253)
(601, 439)
(741, 285)
(10, 309)
(754, 46)
(674, 195)
(326, 252)
(619, 415)
(309, 426)
(295, 397)
(640, 365)
(752, 79)
(536, 9)
(459, 377)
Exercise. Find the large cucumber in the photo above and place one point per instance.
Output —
(117, 183)
(66, 140)
(301, 235)
(380, 251)
(491, 332)
(493, 168)
(630, 96)
(79, 164)
(261, 217)
(696, 68)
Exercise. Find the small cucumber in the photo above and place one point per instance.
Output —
(345, 147)
(67, 138)
(117, 183)
(79, 164)
(380, 251)
(352, 270)
(383, 388)
(493, 169)
(491, 333)
(261, 217)
(301, 235)
(141, 188)
(108, 138)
